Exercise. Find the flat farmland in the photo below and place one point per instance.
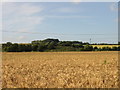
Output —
(60, 69)
(101, 46)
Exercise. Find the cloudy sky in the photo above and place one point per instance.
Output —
(24, 22)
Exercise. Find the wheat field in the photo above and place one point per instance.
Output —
(60, 69)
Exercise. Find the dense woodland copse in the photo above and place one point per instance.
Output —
(53, 45)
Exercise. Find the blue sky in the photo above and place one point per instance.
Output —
(61, 20)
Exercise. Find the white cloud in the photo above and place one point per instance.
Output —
(23, 30)
(75, 16)
(20, 9)
(66, 10)
(21, 37)
(27, 9)
(76, 1)
(21, 15)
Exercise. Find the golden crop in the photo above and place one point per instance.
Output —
(60, 70)
(101, 46)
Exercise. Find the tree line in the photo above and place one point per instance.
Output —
(53, 45)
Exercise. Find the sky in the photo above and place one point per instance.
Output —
(79, 21)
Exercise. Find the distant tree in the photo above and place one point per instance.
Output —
(34, 47)
(36, 42)
(65, 43)
(119, 48)
(85, 43)
(8, 43)
(51, 45)
(106, 48)
(95, 48)
(118, 43)
(12, 47)
(77, 46)
(54, 45)
(15, 47)
(21, 48)
(51, 40)
(41, 48)
(114, 48)
(88, 48)
(28, 48)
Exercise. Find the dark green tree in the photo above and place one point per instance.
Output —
(34, 47)
(88, 48)
(41, 48)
